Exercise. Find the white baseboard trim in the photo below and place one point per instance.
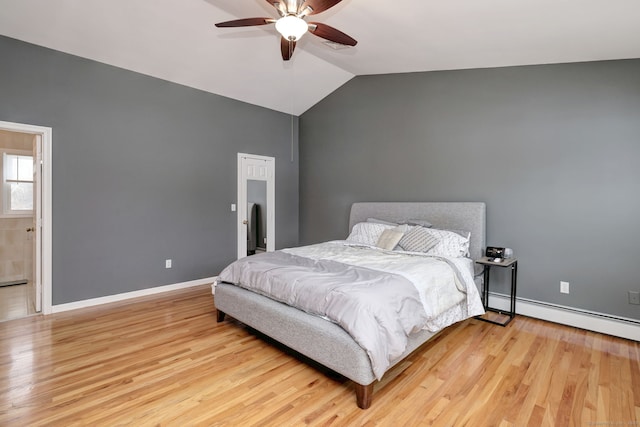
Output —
(128, 295)
(592, 321)
(583, 319)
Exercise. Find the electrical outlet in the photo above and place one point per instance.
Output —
(564, 287)
(167, 263)
(634, 297)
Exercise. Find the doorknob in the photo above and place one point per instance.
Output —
(30, 229)
(245, 222)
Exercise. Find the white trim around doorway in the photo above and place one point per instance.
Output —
(46, 134)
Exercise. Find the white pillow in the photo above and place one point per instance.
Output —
(381, 221)
(420, 222)
(451, 243)
(367, 233)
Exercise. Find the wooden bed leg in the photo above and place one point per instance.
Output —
(364, 395)
(220, 316)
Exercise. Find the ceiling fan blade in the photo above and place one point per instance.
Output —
(331, 34)
(317, 6)
(287, 47)
(247, 22)
(279, 5)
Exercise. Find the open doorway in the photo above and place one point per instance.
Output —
(17, 217)
(25, 251)
(256, 204)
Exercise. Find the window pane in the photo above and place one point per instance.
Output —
(25, 168)
(11, 165)
(19, 168)
(21, 196)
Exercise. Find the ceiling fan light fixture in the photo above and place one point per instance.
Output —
(291, 27)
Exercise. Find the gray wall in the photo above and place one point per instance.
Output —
(143, 170)
(553, 150)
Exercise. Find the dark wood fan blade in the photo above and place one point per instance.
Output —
(318, 5)
(287, 47)
(331, 34)
(247, 22)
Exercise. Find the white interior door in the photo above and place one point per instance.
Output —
(37, 221)
(255, 168)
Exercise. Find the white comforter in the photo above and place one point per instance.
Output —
(432, 276)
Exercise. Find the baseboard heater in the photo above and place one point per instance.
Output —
(13, 283)
(590, 320)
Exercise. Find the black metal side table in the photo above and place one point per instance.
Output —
(487, 263)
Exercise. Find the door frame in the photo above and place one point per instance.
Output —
(242, 201)
(43, 262)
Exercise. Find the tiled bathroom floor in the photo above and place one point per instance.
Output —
(14, 302)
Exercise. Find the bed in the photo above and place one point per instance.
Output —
(325, 341)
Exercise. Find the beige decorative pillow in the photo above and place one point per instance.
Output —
(390, 238)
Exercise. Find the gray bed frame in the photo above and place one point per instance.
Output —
(324, 341)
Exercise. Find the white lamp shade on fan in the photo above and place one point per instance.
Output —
(291, 27)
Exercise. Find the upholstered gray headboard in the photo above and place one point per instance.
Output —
(468, 216)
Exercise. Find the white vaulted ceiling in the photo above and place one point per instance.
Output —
(176, 40)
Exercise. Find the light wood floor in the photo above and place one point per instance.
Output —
(163, 360)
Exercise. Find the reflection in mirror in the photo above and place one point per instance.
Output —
(256, 216)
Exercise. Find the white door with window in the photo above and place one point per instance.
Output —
(260, 170)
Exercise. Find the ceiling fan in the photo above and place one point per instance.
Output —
(291, 24)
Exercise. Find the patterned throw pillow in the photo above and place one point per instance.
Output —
(418, 239)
